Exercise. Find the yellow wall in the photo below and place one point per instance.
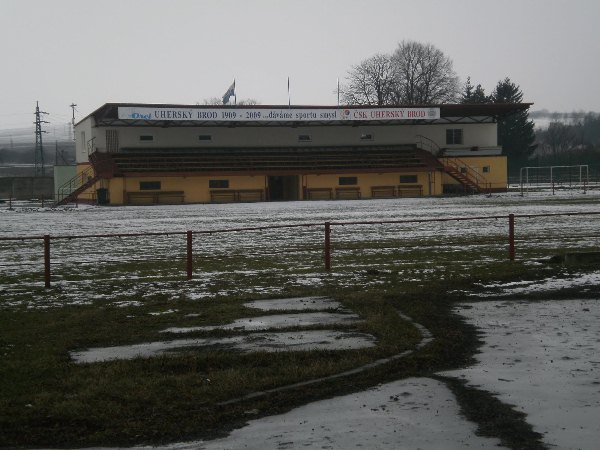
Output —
(195, 189)
(89, 195)
(498, 171)
(365, 181)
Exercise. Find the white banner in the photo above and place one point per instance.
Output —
(276, 114)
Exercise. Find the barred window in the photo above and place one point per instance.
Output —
(149, 185)
(454, 136)
(218, 184)
(347, 181)
(408, 179)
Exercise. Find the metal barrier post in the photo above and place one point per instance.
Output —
(47, 260)
(511, 237)
(189, 255)
(327, 246)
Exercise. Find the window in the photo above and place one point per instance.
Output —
(408, 179)
(366, 137)
(218, 184)
(112, 141)
(454, 136)
(463, 170)
(146, 137)
(304, 138)
(149, 185)
(347, 181)
(82, 135)
(205, 137)
(486, 169)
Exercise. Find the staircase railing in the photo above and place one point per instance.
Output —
(466, 175)
(75, 183)
(102, 166)
(424, 143)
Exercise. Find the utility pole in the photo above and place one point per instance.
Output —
(39, 146)
(73, 105)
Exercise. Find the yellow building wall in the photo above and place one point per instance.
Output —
(89, 195)
(431, 182)
(194, 189)
(496, 176)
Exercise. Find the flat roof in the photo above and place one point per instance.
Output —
(108, 114)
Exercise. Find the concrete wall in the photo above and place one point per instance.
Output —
(62, 174)
(27, 188)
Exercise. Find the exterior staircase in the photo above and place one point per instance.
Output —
(465, 175)
(68, 192)
(102, 166)
(456, 168)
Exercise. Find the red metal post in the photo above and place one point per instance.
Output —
(511, 237)
(189, 256)
(47, 260)
(327, 246)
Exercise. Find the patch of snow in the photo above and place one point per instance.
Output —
(255, 342)
(416, 413)
(276, 321)
(549, 284)
(543, 358)
(162, 313)
(295, 304)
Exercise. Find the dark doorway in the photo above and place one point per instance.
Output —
(283, 188)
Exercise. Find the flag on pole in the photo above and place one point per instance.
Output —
(229, 93)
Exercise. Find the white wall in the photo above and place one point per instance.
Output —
(481, 135)
(83, 133)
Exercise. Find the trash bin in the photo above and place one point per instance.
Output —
(102, 196)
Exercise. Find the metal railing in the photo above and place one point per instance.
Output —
(327, 228)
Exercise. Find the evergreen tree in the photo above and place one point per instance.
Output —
(515, 132)
(473, 94)
(467, 94)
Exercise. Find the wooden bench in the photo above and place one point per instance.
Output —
(383, 191)
(250, 195)
(347, 193)
(410, 190)
(319, 193)
(155, 198)
(237, 195)
(222, 196)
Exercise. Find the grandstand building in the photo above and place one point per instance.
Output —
(148, 153)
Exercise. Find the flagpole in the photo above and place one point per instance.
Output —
(234, 94)
(289, 98)
(338, 91)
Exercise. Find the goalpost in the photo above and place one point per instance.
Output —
(554, 177)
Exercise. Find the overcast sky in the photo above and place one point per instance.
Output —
(185, 51)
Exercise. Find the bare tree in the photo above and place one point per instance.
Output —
(424, 75)
(370, 83)
(414, 74)
(561, 137)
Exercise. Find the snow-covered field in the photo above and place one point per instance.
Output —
(296, 254)
(539, 356)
